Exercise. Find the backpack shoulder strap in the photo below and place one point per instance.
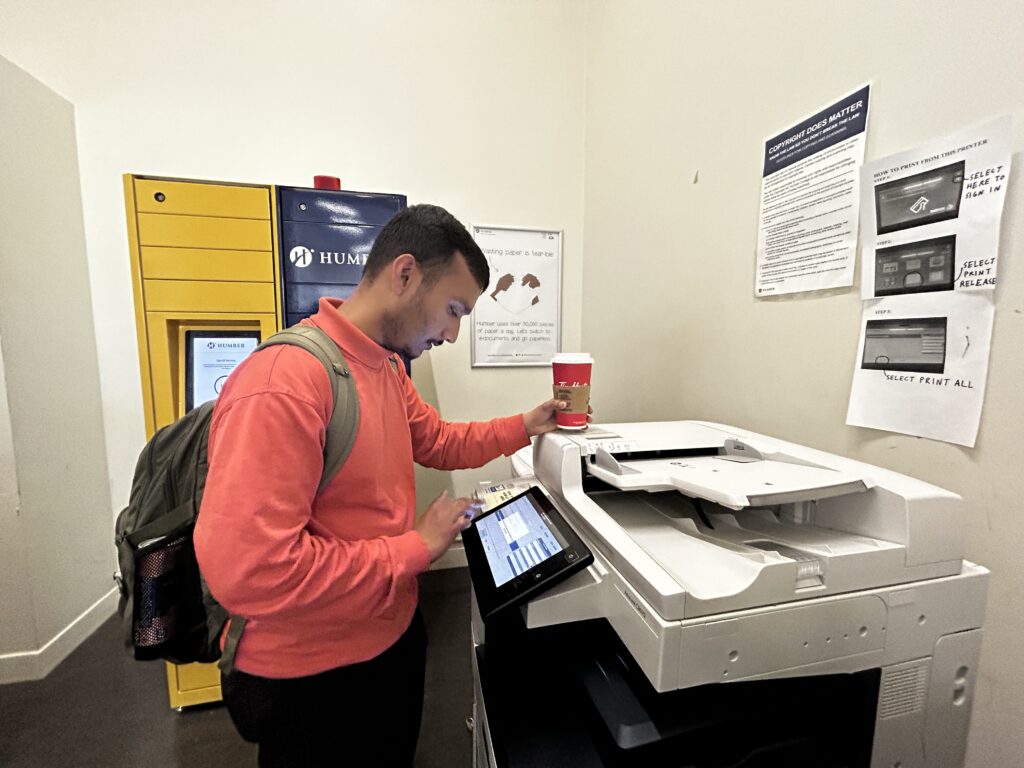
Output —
(341, 431)
(344, 423)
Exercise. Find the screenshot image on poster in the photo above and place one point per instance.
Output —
(515, 539)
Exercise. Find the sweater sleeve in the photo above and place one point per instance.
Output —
(259, 547)
(446, 445)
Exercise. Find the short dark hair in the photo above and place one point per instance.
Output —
(433, 236)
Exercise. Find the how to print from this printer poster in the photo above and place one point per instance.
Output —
(922, 364)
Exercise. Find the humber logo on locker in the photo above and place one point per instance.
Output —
(301, 256)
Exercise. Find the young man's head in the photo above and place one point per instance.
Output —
(430, 272)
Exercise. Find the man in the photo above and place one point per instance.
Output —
(330, 665)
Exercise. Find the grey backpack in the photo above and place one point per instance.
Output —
(166, 608)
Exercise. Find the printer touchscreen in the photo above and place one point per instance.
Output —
(517, 537)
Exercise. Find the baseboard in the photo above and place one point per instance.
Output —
(35, 665)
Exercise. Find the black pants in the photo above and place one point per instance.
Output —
(365, 714)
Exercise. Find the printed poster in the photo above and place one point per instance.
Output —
(930, 221)
(930, 217)
(807, 226)
(516, 322)
(922, 365)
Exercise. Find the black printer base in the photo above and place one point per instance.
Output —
(571, 695)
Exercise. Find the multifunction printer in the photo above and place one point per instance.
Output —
(752, 601)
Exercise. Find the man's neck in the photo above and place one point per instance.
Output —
(359, 310)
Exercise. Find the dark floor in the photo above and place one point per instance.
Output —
(100, 709)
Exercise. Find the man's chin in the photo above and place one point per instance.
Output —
(404, 352)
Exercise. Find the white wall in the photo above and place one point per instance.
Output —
(679, 89)
(15, 586)
(55, 535)
(474, 106)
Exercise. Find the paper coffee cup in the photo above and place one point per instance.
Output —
(571, 373)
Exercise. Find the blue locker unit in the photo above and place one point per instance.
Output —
(326, 236)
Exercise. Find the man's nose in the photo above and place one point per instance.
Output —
(451, 331)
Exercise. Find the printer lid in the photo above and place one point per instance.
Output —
(648, 437)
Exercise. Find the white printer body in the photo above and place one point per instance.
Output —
(722, 556)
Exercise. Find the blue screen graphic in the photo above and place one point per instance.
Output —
(515, 539)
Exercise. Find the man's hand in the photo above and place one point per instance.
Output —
(444, 519)
(542, 418)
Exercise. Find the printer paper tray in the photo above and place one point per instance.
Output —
(730, 481)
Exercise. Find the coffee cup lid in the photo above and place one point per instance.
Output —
(572, 357)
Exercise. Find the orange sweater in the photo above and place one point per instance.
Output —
(324, 580)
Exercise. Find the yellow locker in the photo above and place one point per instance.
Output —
(166, 263)
(207, 296)
(203, 232)
(235, 201)
(202, 259)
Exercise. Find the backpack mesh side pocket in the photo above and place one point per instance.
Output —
(168, 619)
(160, 579)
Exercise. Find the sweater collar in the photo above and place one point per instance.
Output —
(347, 336)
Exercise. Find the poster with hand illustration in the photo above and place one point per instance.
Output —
(516, 319)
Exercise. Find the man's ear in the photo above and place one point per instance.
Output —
(405, 274)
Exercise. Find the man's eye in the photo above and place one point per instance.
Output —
(453, 312)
